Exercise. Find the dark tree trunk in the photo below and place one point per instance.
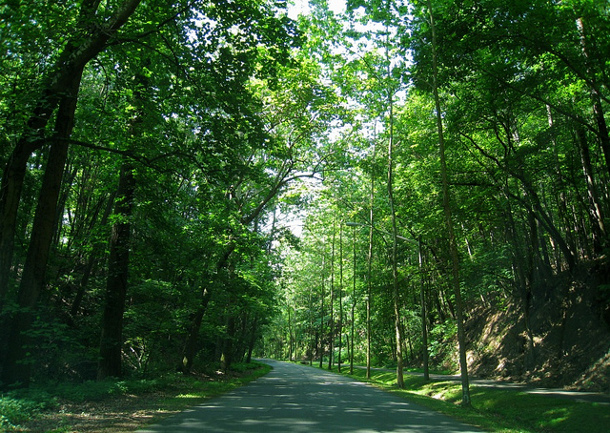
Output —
(116, 286)
(252, 342)
(226, 358)
(93, 258)
(331, 332)
(600, 118)
(10, 194)
(33, 278)
(596, 218)
(424, 321)
(191, 346)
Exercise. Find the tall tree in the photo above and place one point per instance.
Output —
(455, 267)
(59, 96)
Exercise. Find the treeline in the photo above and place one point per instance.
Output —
(144, 147)
(518, 93)
(454, 151)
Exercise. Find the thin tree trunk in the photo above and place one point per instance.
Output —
(455, 281)
(353, 324)
(331, 333)
(340, 330)
(191, 346)
(312, 340)
(596, 218)
(93, 258)
(602, 127)
(369, 274)
(322, 296)
(252, 341)
(424, 326)
(111, 340)
(226, 358)
(395, 292)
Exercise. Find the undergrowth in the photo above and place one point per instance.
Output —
(172, 391)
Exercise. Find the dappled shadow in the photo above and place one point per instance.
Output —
(301, 399)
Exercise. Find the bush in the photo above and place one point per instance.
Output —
(19, 406)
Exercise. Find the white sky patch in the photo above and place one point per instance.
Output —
(301, 7)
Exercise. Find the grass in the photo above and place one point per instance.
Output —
(115, 406)
(495, 410)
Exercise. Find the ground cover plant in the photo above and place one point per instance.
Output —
(496, 410)
(113, 405)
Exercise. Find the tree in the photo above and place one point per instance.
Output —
(198, 136)
(448, 220)
(59, 92)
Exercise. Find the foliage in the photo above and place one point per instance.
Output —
(17, 407)
(232, 117)
(523, 111)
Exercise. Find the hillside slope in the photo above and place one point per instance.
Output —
(570, 329)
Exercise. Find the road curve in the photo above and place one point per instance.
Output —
(296, 398)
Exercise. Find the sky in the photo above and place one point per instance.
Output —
(296, 7)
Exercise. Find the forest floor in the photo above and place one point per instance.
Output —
(133, 410)
(123, 414)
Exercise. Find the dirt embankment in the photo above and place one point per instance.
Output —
(569, 340)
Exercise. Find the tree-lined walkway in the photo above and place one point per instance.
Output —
(298, 398)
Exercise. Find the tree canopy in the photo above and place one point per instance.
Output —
(446, 161)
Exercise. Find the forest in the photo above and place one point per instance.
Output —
(392, 183)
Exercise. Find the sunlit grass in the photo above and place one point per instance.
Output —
(495, 410)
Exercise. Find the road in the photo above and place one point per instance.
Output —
(296, 398)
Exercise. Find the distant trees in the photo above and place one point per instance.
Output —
(522, 116)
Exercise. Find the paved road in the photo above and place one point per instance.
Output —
(295, 398)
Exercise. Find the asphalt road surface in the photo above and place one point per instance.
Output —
(296, 398)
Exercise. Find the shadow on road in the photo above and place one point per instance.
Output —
(294, 398)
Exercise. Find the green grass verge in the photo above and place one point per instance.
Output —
(170, 393)
(505, 411)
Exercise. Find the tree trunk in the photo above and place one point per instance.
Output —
(340, 330)
(331, 332)
(10, 194)
(424, 326)
(455, 274)
(322, 296)
(191, 346)
(369, 273)
(600, 119)
(34, 270)
(395, 292)
(253, 332)
(596, 218)
(352, 316)
(111, 340)
(93, 258)
(226, 358)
